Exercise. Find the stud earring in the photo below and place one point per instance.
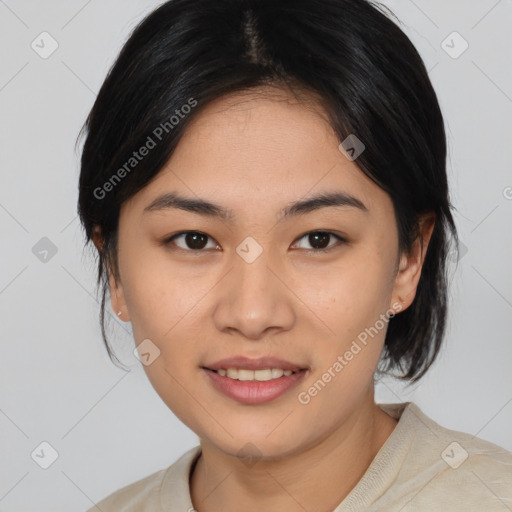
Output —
(119, 313)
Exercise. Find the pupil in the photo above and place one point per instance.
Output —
(315, 239)
(194, 241)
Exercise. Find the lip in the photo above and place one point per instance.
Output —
(253, 392)
(247, 363)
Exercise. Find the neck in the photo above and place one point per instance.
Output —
(317, 477)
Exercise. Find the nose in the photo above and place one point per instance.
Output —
(253, 301)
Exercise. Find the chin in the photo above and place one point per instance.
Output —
(259, 443)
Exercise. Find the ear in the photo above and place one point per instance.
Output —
(409, 270)
(117, 299)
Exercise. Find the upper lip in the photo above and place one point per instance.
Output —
(246, 363)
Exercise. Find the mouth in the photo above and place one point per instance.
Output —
(254, 382)
(262, 375)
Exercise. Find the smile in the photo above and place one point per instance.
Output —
(254, 387)
(259, 375)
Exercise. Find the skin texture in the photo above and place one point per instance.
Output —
(254, 153)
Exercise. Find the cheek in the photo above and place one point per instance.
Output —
(346, 360)
(350, 295)
(157, 295)
(165, 307)
(350, 303)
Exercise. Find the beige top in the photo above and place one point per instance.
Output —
(421, 467)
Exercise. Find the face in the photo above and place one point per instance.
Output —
(261, 271)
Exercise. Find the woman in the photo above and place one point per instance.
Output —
(265, 184)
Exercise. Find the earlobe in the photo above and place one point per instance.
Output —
(117, 300)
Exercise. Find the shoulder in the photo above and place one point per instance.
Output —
(146, 494)
(144, 491)
(454, 468)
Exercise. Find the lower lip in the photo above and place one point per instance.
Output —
(254, 392)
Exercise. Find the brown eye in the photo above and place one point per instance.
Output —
(191, 240)
(321, 240)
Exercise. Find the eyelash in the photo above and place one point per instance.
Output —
(340, 239)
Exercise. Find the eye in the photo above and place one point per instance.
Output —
(320, 240)
(191, 241)
(196, 241)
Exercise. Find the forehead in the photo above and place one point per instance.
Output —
(261, 148)
(258, 115)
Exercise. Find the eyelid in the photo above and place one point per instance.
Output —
(170, 240)
(341, 240)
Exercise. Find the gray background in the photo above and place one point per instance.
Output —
(56, 381)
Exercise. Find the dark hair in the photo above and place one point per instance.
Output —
(348, 55)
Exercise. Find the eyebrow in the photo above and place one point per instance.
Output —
(173, 200)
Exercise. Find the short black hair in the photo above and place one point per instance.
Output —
(349, 55)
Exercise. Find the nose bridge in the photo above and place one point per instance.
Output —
(253, 300)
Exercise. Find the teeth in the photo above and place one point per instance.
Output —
(246, 375)
(259, 375)
(232, 373)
